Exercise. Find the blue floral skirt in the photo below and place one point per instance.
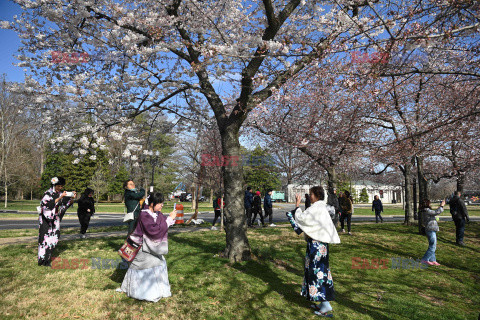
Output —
(317, 282)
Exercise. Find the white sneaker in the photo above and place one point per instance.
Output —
(343, 230)
(119, 290)
(273, 225)
(214, 228)
(82, 236)
(259, 223)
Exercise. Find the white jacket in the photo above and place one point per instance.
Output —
(317, 223)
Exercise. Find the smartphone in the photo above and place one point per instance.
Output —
(69, 194)
(174, 206)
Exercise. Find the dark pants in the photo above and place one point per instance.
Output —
(84, 219)
(218, 213)
(459, 229)
(248, 212)
(260, 212)
(349, 220)
(269, 214)
(378, 215)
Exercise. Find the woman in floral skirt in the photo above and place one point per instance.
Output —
(53, 206)
(319, 230)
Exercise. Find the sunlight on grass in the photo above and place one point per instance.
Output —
(205, 286)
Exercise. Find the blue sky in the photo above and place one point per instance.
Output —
(9, 43)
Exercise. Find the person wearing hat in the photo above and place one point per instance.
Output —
(53, 206)
(257, 209)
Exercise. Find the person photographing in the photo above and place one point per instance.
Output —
(319, 230)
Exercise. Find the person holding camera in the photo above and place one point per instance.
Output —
(132, 198)
(317, 225)
(431, 228)
(147, 275)
(53, 206)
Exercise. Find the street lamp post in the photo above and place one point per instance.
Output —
(153, 160)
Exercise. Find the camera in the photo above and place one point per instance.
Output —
(69, 194)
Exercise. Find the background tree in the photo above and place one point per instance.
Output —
(254, 47)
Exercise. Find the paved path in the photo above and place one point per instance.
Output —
(76, 236)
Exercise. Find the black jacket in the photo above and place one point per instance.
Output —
(267, 201)
(377, 205)
(458, 209)
(257, 203)
(85, 203)
(333, 201)
(248, 201)
(308, 203)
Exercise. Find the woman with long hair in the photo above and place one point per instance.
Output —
(431, 229)
(147, 276)
(85, 210)
(53, 206)
(316, 223)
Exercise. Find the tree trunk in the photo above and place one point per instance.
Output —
(193, 192)
(222, 225)
(408, 198)
(422, 190)
(460, 181)
(414, 190)
(237, 246)
(332, 179)
(6, 188)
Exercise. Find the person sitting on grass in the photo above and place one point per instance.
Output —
(147, 276)
(431, 229)
(317, 225)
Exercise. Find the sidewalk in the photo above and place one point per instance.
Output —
(94, 235)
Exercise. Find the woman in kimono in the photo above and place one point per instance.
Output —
(53, 206)
(316, 223)
(147, 276)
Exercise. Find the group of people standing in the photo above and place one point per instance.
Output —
(317, 223)
(459, 213)
(147, 275)
(253, 206)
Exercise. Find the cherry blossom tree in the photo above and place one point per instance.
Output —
(176, 55)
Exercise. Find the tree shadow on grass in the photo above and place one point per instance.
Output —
(262, 270)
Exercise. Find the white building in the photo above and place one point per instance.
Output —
(387, 193)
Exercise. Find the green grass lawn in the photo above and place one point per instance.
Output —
(205, 286)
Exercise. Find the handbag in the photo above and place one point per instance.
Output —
(129, 250)
(129, 216)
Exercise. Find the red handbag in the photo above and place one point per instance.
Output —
(129, 250)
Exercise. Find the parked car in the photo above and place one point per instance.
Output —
(472, 197)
